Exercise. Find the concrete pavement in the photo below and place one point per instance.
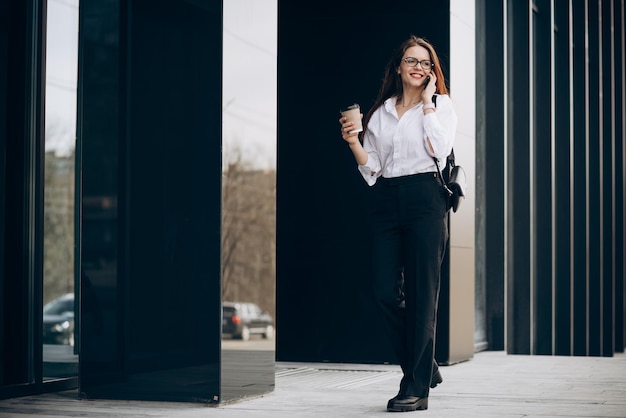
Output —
(491, 385)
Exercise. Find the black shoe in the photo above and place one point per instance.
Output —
(435, 380)
(407, 403)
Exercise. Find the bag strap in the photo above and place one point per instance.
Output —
(450, 158)
(443, 182)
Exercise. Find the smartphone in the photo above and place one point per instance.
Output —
(426, 81)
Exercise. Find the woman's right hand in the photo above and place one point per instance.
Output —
(346, 127)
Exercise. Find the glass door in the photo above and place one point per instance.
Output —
(249, 194)
(60, 301)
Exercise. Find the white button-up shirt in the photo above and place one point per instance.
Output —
(399, 147)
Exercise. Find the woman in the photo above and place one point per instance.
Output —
(402, 133)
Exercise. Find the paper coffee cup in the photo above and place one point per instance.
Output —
(353, 113)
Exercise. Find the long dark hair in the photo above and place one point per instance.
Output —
(392, 83)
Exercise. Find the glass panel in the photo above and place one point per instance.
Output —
(248, 193)
(59, 350)
(149, 154)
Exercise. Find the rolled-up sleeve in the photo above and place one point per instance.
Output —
(371, 169)
(440, 128)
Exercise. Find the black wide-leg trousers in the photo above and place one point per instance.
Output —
(409, 236)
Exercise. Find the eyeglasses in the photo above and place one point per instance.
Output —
(426, 65)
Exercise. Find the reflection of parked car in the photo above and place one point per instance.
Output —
(240, 320)
(58, 320)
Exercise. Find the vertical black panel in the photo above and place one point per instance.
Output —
(13, 277)
(606, 158)
(98, 144)
(562, 192)
(618, 158)
(518, 215)
(22, 64)
(579, 200)
(594, 184)
(542, 276)
(151, 148)
(324, 307)
(4, 59)
(489, 168)
(173, 180)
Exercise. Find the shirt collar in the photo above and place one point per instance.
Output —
(390, 104)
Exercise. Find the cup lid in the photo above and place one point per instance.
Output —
(352, 106)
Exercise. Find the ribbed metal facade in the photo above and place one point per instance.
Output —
(551, 173)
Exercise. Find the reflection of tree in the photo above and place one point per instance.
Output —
(248, 230)
(58, 210)
(248, 235)
(58, 226)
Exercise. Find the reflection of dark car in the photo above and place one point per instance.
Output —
(240, 320)
(58, 320)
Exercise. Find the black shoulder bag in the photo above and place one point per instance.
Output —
(454, 180)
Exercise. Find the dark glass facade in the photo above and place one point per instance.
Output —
(549, 195)
(149, 140)
(22, 72)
